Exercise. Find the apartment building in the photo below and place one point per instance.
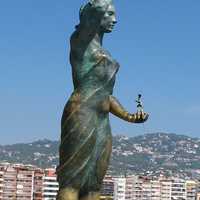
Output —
(50, 184)
(155, 190)
(191, 190)
(107, 190)
(38, 184)
(178, 189)
(26, 182)
(129, 187)
(137, 188)
(165, 192)
(1, 182)
(18, 182)
(145, 188)
(119, 188)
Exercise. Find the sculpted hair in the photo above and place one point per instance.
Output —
(90, 14)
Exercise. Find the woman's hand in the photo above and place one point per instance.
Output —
(139, 117)
(117, 110)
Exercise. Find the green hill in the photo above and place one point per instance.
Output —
(151, 153)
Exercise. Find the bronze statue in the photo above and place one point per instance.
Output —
(86, 140)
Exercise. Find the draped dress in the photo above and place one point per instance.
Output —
(86, 140)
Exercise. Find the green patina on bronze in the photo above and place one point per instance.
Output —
(86, 140)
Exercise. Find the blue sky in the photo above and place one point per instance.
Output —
(156, 42)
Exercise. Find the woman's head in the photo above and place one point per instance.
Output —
(109, 19)
(99, 14)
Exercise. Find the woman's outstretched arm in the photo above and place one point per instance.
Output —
(117, 109)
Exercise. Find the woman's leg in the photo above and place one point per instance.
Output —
(68, 194)
(91, 196)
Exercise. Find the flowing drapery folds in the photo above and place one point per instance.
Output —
(86, 140)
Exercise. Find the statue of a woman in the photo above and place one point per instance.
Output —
(86, 140)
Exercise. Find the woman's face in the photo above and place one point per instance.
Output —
(109, 20)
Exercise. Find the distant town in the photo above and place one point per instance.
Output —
(18, 181)
(150, 154)
(157, 166)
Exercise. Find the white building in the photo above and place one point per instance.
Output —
(161, 188)
(1, 183)
(120, 188)
(178, 189)
(155, 190)
(50, 185)
(129, 187)
(165, 192)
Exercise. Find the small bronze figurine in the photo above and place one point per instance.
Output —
(86, 140)
(139, 104)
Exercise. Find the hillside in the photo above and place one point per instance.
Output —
(155, 153)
